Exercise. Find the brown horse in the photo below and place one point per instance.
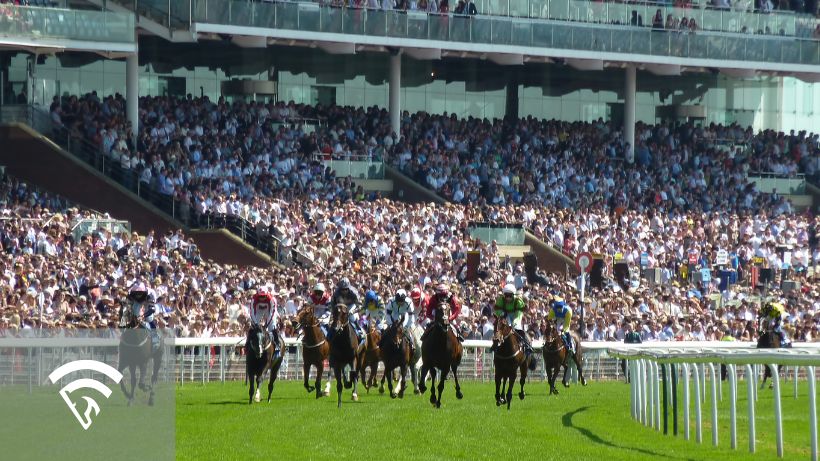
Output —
(440, 350)
(315, 348)
(343, 350)
(369, 356)
(508, 359)
(396, 353)
(556, 355)
(768, 339)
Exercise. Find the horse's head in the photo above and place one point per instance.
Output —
(257, 341)
(342, 317)
(552, 340)
(502, 330)
(443, 314)
(398, 334)
(305, 317)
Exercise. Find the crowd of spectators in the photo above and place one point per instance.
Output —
(567, 182)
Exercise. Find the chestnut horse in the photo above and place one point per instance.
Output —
(508, 359)
(315, 348)
(343, 350)
(396, 353)
(440, 350)
(369, 356)
(556, 355)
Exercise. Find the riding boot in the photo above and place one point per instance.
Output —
(568, 342)
(525, 340)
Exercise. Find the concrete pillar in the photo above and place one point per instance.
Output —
(511, 106)
(394, 89)
(629, 113)
(132, 93)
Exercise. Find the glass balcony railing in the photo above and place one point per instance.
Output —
(503, 234)
(35, 22)
(506, 30)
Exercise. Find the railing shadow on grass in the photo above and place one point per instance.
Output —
(566, 420)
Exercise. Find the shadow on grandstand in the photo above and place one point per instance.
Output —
(566, 420)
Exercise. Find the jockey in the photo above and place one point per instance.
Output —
(562, 314)
(419, 300)
(320, 299)
(771, 317)
(401, 310)
(374, 310)
(265, 315)
(442, 295)
(512, 307)
(349, 296)
(142, 309)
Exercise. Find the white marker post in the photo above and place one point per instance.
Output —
(583, 262)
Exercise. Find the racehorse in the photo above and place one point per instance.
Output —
(440, 350)
(556, 356)
(136, 351)
(508, 359)
(396, 353)
(369, 356)
(343, 350)
(414, 359)
(768, 339)
(260, 356)
(315, 348)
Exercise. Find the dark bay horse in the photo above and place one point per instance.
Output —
(260, 356)
(508, 360)
(396, 353)
(315, 348)
(343, 349)
(768, 339)
(136, 351)
(440, 350)
(556, 355)
(369, 356)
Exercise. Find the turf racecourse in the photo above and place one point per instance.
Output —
(214, 422)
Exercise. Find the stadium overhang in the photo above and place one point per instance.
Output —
(662, 65)
(52, 46)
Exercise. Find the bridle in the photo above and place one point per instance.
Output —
(503, 340)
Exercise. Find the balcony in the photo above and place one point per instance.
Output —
(36, 26)
(526, 27)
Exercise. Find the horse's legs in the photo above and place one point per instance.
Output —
(441, 381)
(579, 360)
(497, 389)
(422, 386)
(337, 373)
(566, 373)
(274, 371)
(523, 379)
(389, 374)
(510, 388)
(402, 385)
(306, 372)
(354, 377)
(122, 368)
(320, 369)
(454, 369)
(433, 372)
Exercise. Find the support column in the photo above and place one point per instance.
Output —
(132, 93)
(629, 114)
(511, 103)
(394, 89)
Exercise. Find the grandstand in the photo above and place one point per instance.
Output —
(212, 150)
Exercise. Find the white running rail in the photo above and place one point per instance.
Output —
(653, 367)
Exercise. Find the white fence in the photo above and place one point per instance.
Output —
(26, 360)
(654, 373)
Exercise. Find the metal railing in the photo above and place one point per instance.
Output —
(572, 30)
(655, 374)
(201, 360)
(502, 233)
(39, 22)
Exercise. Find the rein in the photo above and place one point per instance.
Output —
(502, 342)
(305, 328)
